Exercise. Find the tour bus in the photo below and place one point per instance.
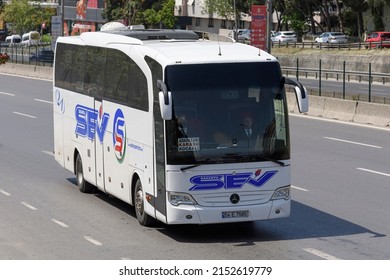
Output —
(153, 117)
(30, 38)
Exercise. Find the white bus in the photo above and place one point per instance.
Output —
(31, 38)
(153, 118)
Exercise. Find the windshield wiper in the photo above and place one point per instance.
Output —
(237, 156)
(195, 165)
(281, 163)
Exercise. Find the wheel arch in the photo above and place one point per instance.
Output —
(75, 154)
(134, 180)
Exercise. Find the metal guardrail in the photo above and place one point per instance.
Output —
(19, 53)
(339, 74)
(344, 75)
(329, 46)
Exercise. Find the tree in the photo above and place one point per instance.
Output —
(25, 16)
(226, 8)
(377, 9)
(166, 14)
(356, 7)
(160, 14)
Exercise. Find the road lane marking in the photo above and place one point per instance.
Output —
(6, 93)
(48, 153)
(60, 223)
(320, 254)
(93, 241)
(25, 115)
(299, 188)
(44, 101)
(352, 142)
(5, 193)
(29, 206)
(373, 171)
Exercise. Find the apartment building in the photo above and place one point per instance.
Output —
(193, 15)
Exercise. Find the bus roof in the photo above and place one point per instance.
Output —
(174, 46)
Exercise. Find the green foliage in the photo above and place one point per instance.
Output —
(26, 17)
(149, 13)
(166, 14)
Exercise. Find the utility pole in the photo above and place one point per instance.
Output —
(269, 24)
(235, 20)
(62, 16)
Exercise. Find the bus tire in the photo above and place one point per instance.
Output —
(83, 185)
(143, 218)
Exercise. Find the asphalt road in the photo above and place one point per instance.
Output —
(340, 209)
(352, 88)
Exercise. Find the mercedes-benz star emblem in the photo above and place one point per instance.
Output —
(234, 198)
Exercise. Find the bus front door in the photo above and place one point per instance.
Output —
(99, 148)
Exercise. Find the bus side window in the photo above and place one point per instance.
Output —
(116, 76)
(94, 71)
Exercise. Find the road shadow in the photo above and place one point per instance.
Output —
(304, 222)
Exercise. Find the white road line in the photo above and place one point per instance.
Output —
(373, 171)
(29, 206)
(60, 223)
(44, 101)
(352, 142)
(299, 188)
(25, 115)
(48, 153)
(5, 193)
(320, 254)
(6, 93)
(93, 241)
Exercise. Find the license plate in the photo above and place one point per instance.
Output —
(235, 214)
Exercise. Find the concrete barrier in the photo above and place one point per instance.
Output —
(371, 113)
(27, 70)
(344, 110)
(339, 109)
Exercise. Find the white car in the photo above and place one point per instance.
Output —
(332, 38)
(285, 37)
(244, 34)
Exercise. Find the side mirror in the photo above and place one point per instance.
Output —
(300, 93)
(165, 100)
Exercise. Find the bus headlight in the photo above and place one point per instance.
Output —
(177, 199)
(282, 193)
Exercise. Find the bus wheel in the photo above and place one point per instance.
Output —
(83, 185)
(143, 218)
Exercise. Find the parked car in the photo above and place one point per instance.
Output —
(13, 39)
(285, 37)
(244, 34)
(332, 38)
(379, 37)
(43, 56)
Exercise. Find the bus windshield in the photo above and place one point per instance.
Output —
(227, 113)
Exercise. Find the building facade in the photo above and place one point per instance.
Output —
(192, 15)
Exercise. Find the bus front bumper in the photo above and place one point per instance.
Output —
(195, 214)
